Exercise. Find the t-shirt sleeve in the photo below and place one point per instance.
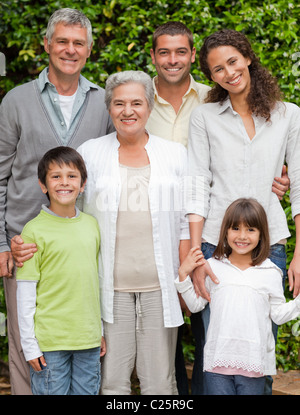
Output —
(30, 271)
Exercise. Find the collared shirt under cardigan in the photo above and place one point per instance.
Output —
(165, 122)
(226, 164)
(30, 124)
(101, 199)
(50, 98)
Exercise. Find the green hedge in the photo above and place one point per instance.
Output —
(122, 33)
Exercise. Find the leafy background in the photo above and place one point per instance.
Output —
(122, 33)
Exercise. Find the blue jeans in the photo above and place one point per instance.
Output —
(217, 384)
(278, 256)
(70, 372)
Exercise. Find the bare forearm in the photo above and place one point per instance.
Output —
(196, 224)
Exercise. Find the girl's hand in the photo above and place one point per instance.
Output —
(193, 260)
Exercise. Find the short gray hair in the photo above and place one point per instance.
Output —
(69, 17)
(125, 77)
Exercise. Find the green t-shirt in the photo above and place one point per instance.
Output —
(66, 267)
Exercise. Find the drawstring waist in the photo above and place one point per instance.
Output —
(138, 309)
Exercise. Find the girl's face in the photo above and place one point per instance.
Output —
(229, 69)
(242, 239)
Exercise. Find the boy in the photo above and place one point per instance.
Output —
(58, 289)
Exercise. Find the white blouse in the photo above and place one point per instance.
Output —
(101, 199)
(226, 165)
(242, 308)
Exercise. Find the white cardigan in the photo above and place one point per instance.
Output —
(101, 199)
(243, 305)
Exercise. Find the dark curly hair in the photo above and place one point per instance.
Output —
(264, 90)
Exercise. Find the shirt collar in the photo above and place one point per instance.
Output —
(225, 105)
(267, 263)
(192, 87)
(84, 84)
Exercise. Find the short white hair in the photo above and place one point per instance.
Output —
(125, 77)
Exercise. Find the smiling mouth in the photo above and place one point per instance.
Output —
(128, 120)
(69, 60)
(235, 81)
(64, 192)
(242, 244)
(174, 70)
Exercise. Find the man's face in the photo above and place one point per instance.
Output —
(68, 50)
(173, 58)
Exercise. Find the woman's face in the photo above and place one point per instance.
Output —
(229, 68)
(129, 109)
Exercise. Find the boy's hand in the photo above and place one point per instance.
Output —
(103, 347)
(21, 252)
(37, 364)
(193, 259)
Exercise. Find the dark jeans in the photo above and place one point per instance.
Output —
(200, 321)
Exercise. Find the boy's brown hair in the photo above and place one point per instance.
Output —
(61, 155)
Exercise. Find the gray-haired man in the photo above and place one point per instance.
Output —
(60, 107)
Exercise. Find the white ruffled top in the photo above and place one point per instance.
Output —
(242, 308)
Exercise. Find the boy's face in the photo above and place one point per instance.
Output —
(63, 184)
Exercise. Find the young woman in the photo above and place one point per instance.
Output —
(238, 142)
(240, 346)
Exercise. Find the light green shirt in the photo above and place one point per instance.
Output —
(66, 267)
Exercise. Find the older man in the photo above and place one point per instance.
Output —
(60, 107)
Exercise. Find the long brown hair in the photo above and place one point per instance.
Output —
(264, 90)
(252, 214)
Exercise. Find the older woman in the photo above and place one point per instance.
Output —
(134, 190)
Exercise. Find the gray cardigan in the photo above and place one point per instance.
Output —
(26, 133)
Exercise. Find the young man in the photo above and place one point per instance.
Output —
(176, 91)
(58, 289)
(176, 95)
(61, 107)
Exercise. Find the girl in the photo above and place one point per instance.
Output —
(240, 347)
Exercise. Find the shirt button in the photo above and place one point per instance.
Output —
(55, 99)
(62, 123)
